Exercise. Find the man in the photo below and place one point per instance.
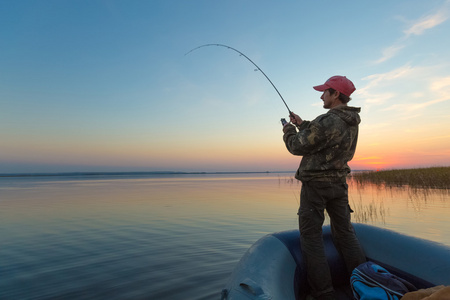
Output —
(326, 144)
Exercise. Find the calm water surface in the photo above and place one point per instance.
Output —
(171, 237)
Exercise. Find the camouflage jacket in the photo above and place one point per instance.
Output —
(326, 144)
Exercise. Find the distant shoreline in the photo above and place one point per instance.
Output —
(71, 174)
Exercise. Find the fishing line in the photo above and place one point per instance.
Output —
(258, 68)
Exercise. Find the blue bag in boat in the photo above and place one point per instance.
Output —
(371, 281)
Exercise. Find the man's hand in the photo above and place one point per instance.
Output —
(295, 119)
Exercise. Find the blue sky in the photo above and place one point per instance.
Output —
(106, 85)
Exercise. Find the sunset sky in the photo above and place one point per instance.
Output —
(106, 85)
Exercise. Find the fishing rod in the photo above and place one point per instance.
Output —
(258, 68)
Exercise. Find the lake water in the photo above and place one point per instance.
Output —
(166, 236)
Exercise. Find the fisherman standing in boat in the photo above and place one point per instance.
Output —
(327, 143)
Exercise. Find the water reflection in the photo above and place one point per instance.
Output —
(167, 238)
(415, 211)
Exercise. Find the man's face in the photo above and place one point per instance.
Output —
(330, 100)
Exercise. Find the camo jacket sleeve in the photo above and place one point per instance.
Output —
(314, 136)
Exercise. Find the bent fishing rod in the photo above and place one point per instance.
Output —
(257, 68)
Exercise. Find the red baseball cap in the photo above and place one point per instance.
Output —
(338, 83)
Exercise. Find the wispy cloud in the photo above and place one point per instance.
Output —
(441, 85)
(406, 91)
(440, 90)
(375, 80)
(376, 91)
(419, 106)
(440, 137)
(416, 27)
(428, 22)
(389, 52)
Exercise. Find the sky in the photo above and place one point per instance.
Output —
(92, 85)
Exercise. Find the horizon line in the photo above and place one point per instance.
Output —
(118, 173)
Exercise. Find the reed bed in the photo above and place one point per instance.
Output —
(427, 178)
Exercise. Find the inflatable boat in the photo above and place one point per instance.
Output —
(273, 267)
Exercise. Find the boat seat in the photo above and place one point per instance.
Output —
(339, 274)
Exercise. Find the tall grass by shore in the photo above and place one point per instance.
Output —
(434, 177)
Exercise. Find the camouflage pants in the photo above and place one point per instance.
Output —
(315, 197)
